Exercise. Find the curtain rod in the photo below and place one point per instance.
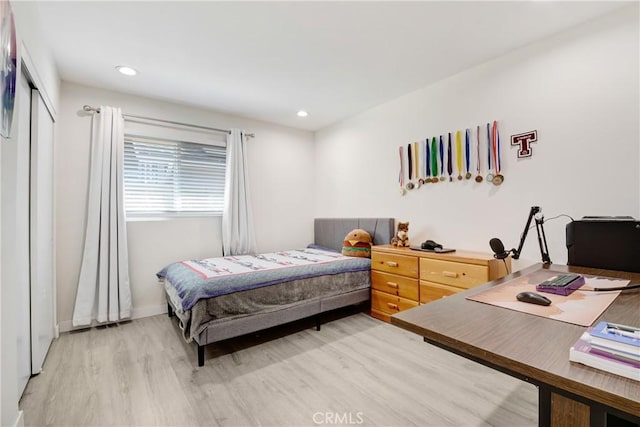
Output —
(90, 109)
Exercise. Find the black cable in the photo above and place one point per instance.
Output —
(554, 217)
(621, 288)
(505, 265)
(558, 216)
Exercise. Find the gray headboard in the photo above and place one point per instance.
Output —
(330, 232)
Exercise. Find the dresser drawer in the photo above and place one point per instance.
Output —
(431, 291)
(397, 264)
(390, 304)
(396, 285)
(453, 273)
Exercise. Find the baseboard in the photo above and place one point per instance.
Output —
(136, 313)
(20, 420)
(56, 332)
(154, 310)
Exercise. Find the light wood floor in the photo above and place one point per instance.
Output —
(355, 371)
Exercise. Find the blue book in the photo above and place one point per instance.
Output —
(622, 334)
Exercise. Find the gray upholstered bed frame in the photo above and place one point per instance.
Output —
(328, 232)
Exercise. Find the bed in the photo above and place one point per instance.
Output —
(219, 298)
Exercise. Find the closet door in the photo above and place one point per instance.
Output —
(42, 270)
(15, 228)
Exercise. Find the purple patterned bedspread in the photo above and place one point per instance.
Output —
(212, 277)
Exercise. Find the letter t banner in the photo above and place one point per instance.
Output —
(524, 141)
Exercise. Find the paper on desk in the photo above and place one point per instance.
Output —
(602, 283)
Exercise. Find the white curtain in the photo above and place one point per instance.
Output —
(104, 292)
(238, 236)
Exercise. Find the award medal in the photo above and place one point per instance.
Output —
(498, 178)
(489, 175)
(450, 160)
(410, 185)
(416, 164)
(467, 153)
(427, 162)
(434, 160)
(401, 174)
(478, 175)
(442, 178)
(459, 154)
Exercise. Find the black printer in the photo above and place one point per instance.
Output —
(611, 243)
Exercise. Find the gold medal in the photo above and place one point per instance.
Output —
(478, 167)
(468, 175)
(410, 186)
(495, 140)
(434, 179)
(442, 178)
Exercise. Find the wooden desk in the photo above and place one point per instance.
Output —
(535, 349)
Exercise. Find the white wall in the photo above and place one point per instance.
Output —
(43, 69)
(281, 168)
(35, 48)
(579, 89)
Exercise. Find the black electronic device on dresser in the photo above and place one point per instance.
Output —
(612, 243)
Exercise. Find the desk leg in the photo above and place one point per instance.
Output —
(544, 406)
(597, 417)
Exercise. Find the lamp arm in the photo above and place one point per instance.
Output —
(542, 241)
(516, 252)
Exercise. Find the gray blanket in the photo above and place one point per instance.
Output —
(263, 300)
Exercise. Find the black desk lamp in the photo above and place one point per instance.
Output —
(498, 247)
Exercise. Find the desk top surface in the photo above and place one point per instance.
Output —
(528, 345)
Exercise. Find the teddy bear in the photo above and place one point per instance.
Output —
(401, 238)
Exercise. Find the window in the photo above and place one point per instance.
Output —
(166, 177)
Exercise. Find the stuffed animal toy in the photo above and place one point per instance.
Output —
(401, 238)
(357, 244)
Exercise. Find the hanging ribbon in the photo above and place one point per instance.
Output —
(427, 161)
(459, 154)
(401, 174)
(478, 175)
(450, 160)
(434, 160)
(498, 178)
(416, 162)
(489, 145)
(467, 152)
(409, 162)
(441, 159)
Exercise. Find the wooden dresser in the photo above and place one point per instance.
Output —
(402, 278)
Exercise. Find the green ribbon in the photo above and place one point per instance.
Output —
(434, 158)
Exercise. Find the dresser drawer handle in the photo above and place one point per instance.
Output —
(392, 305)
(392, 285)
(392, 263)
(449, 274)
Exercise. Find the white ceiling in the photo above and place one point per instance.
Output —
(267, 60)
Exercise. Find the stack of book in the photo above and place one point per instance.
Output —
(611, 347)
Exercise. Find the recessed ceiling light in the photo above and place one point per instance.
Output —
(127, 71)
(302, 113)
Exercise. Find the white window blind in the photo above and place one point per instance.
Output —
(164, 177)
